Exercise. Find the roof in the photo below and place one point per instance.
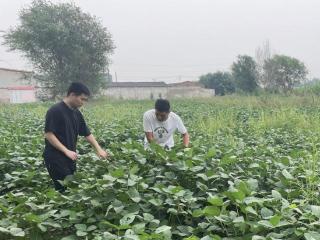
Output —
(186, 84)
(21, 88)
(136, 84)
(14, 70)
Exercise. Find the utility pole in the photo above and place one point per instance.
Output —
(115, 73)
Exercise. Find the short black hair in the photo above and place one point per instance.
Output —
(162, 105)
(78, 88)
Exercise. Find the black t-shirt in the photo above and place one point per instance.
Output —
(66, 124)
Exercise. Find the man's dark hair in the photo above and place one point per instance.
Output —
(78, 88)
(162, 105)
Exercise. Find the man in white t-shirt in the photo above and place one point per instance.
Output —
(160, 124)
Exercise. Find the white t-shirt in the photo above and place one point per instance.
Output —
(162, 131)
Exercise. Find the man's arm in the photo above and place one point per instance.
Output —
(100, 152)
(182, 129)
(147, 127)
(54, 141)
(186, 139)
(149, 136)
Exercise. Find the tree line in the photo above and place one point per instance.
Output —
(273, 73)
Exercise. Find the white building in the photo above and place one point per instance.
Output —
(16, 87)
(154, 90)
(189, 89)
(136, 90)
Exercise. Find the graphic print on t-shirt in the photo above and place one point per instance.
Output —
(161, 131)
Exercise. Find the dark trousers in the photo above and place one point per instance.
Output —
(58, 169)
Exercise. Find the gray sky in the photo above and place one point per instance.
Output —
(178, 40)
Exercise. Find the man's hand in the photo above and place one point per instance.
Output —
(102, 153)
(71, 154)
(186, 140)
(149, 136)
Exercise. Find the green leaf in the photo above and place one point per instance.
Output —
(315, 210)
(197, 213)
(95, 203)
(250, 209)
(139, 228)
(118, 173)
(276, 195)
(156, 202)
(215, 201)
(256, 237)
(3, 208)
(81, 227)
(236, 195)
(287, 175)
(211, 153)
(266, 224)
(202, 176)
(238, 220)
(134, 195)
(127, 219)
(191, 238)
(3, 230)
(148, 217)
(252, 184)
(211, 211)
(312, 236)
(91, 228)
(275, 220)
(81, 233)
(227, 160)
(41, 227)
(109, 178)
(214, 237)
(70, 237)
(163, 228)
(243, 187)
(30, 217)
(17, 232)
(109, 236)
(266, 213)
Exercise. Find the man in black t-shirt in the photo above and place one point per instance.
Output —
(64, 122)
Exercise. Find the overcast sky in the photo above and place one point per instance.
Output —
(178, 40)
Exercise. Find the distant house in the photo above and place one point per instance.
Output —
(154, 90)
(189, 89)
(16, 86)
(136, 90)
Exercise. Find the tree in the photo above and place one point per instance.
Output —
(245, 74)
(284, 72)
(64, 45)
(263, 54)
(221, 82)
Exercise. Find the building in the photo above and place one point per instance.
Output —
(136, 90)
(154, 90)
(16, 86)
(189, 89)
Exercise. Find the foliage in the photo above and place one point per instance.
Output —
(64, 45)
(221, 82)
(245, 73)
(284, 72)
(250, 174)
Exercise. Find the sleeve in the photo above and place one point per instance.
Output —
(83, 128)
(147, 127)
(52, 121)
(180, 126)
